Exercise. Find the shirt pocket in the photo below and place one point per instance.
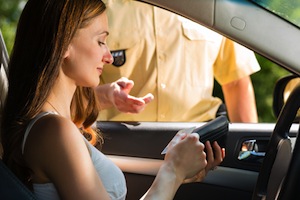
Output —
(122, 40)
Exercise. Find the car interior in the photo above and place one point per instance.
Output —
(262, 160)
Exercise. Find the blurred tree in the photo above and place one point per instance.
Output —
(9, 14)
(264, 82)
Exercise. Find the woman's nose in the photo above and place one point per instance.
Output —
(108, 58)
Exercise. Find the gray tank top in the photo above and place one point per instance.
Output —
(111, 176)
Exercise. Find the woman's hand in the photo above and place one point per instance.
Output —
(186, 157)
(185, 161)
(214, 157)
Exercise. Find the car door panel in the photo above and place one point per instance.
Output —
(136, 149)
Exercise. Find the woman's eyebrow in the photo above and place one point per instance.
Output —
(103, 32)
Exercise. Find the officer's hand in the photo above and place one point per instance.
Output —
(125, 102)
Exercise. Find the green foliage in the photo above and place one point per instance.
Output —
(9, 14)
(286, 9)
(264, 82)
(8, 31)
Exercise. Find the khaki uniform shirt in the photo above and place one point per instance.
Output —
(173, 58)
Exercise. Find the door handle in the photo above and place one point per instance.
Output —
(250, 152)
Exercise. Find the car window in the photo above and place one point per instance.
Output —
(289, 10)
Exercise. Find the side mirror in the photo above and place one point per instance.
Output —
(282, 91)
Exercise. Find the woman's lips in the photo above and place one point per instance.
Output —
(100, 70)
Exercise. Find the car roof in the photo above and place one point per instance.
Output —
(246, 23)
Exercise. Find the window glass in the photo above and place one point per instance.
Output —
(287, 9)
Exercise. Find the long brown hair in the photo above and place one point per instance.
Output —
(44, 32)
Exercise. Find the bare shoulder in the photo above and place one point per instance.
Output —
(52, 127)
(51, 143)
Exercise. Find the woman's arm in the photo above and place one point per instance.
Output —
(56, 152)
(185, 162)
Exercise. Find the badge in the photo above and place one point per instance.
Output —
(119, 57)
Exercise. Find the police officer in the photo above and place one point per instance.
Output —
(176, 61)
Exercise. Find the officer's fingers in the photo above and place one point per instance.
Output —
(135, 101)
(148, 98)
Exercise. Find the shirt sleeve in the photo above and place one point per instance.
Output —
(234, 62)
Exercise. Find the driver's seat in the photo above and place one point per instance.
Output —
(10, 186)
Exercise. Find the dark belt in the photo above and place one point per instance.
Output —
(222, 110)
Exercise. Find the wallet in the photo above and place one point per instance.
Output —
(214, 130)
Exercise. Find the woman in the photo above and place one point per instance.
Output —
(58, 56)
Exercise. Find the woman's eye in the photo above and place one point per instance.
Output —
(101, 43)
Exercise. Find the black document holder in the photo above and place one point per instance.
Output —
(214, 130)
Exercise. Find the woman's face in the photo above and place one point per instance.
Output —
(87, 53)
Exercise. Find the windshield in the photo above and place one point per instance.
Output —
(287, 9)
